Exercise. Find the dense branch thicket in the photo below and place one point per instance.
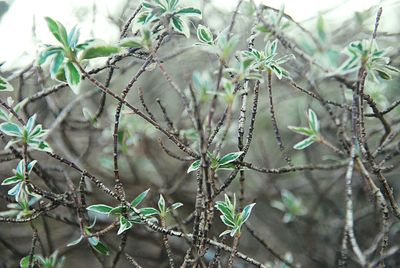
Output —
(204, 139)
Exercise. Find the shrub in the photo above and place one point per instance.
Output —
(195, 137)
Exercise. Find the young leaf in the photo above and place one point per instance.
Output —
(73, 76)
(149, 211)
(31, 122)
(176, 205)
(101, 248)
(304, 143)
(205, 35)
(11, 129)
(194, 166)
(99, 51)
(124, 225)
(190, 11)
(24, 262)
(321, 29)
(4, 85)
(130, 43)
(93, 240)
(75, 242)
(100, 208)
(73, 37)
(31, 165)
(228, 158)
(11, 180)
(246, 212)
(180, 26)
(225, 233)
(43, 56)
(42, 146)
(302, 130)
(140, 198)
(117, 210)
(161, 204)
(58, 31)
(313, 121)
(56, 64)
(20, 168)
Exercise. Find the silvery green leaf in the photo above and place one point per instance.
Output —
(194, 166)
(228, 158)
(313, 121)
(304, 143)
(100, 208)
(180, 25)
(140, 198)
(246, 212)
(75, 242)
(4, 85)
(302, 130)
(161, 204)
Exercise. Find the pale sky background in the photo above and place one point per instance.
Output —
(17, 45)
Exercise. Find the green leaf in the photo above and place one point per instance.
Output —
(20, 168)
(75, 242)
(101, 248)
(384, 75)
(321, 29)
(272, 48)
(226, 212)
(3, 115)
(11, 129)
(98, 52)
(180, 26)
(313, 121)
(93, 240)
(60, 76)
(231, 166)
(161, 204)
(176, 205)
(4, 85)
(58, 31)
(149, 211)
(15, 191)
(226, 221)
(190, 11)
(116, 211)
(124, 225)
(302, 130)
(24, 262)
(31, 122)
(31, 165)
(194, 166)
(130, 43)
(304, 143)
(47, 53)
(205, 35)
(172, 4)
(228, 158)
(100, 208)
(225, 233)
(42, 146)
(246, 212)
(140, 198)
(277, 71)
(11, 180)
(73, 76)
(37, 132)
(146, 4)
(56, 64)
(73, 37)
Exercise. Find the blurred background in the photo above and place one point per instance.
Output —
(312, 235)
